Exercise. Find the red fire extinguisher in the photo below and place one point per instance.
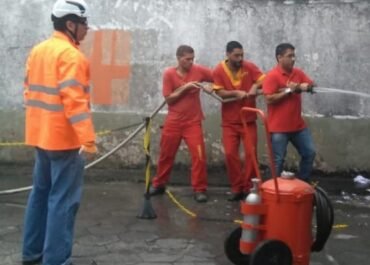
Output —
(277, 217)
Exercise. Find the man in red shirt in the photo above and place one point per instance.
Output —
(282, 88)
(181, 87)
(240, 79)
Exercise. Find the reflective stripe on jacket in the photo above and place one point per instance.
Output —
(57, 96)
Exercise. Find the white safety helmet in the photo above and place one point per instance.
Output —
(63, 8)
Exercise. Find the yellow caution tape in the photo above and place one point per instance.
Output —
(102, 133)
(12, 144)
(147, 153)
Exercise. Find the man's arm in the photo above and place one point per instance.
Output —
(240, 94)
(286, 92)
(172, 93)
(305, 85)
(256, 88)
(301, 87)
(180, 91)
(76, 101)
(224, 94)
(208, 78)
(25, 83)
(271, 90)
(258, 76)
(276, 97)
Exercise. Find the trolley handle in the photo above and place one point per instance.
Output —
(253, 154)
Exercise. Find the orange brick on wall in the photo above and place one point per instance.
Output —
(109, 52)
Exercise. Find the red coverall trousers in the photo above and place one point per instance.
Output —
(171, 137)
(240, 180)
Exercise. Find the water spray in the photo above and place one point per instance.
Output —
(341, 91)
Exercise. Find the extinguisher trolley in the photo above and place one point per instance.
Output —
(277, 227)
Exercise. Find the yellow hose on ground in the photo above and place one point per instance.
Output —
(237, 221)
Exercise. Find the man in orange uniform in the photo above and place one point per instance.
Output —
(282, 88)
(239, 79)
(181, 87)
(59, 125)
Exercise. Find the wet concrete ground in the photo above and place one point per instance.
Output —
(108, 231)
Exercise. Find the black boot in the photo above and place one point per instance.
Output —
(236, 197)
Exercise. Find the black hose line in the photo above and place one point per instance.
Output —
(324, 219)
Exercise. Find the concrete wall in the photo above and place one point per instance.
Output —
(131, 42)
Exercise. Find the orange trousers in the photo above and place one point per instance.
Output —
(171, 137)
(232, 135)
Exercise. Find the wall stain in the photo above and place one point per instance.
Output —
(109, 52)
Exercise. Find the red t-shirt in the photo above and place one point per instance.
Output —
(223, 78)
(188, 107)
(284, 115)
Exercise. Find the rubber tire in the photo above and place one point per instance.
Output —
(232, 249)
(271, 252)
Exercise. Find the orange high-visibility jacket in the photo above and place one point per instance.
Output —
(57, 96)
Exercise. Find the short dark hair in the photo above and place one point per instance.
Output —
(60, 23)
(231, 45)
(282, 48)
(182, 49)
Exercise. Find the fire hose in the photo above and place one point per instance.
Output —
(115, 149)
(131, 136)
(324, 209)
(124, 142)
(324, 219)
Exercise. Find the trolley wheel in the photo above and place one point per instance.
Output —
(232, 249)
(271, 252)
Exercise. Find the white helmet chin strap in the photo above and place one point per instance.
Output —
(73, 35)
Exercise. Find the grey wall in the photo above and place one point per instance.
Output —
(331, 37)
